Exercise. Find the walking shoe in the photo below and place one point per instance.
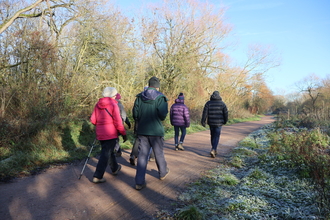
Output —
(213, 153)
(97, 180)
(132, 160)
(180, 147)
(176, 147)
(139, 187)
(118, 169)
(164, 177)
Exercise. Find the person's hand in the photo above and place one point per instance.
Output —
(203, 124)
(124, 138)
(129, 125)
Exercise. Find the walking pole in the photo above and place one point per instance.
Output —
(87, 158)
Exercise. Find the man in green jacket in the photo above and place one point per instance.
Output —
(149, 110)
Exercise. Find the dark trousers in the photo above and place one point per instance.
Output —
(157, 144)
(215, 137)
(107, 157)
(177, 132)
(135, 149)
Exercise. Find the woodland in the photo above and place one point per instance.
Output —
(58, 55)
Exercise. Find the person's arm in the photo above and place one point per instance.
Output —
(128, 123)
(225, 114)
(171, 114)
(162, 108)
(135, 110)
(186, 116)
(117, 120)
(93, 117)
(122, 111)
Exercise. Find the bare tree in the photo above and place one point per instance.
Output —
(310, 88)
(183, 38)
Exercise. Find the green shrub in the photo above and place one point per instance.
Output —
(236, 161)
(190, 213)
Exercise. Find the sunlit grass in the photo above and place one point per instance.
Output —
(253, 185)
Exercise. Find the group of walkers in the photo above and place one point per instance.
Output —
(149, 110)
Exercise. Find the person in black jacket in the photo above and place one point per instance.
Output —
(215, 112)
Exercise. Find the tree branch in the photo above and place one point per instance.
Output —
(8, 22)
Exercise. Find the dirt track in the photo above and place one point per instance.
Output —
(58, 194)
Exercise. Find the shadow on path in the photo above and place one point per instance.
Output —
(58, 194)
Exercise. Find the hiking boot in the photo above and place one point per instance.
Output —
(213, 153)
(139, 187)
(97, 180)
(118, 169)
(164, 177)
(176, 147)
(180, 146)
(132, 160)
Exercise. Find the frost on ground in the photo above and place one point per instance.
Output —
(251, 185)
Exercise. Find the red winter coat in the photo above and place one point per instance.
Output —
(107, 127)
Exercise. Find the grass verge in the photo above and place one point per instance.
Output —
(252, 184)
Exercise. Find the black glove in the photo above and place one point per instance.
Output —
(128, 123)
(203, 124)
(124, 138)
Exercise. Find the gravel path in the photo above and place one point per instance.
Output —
(58, 194)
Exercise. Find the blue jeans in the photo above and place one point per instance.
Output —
(176, 134)
(215, 136)
(107, 157)
(157, 144)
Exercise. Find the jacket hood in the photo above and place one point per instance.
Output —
(150, 94)
(215, 96)
(105, 102)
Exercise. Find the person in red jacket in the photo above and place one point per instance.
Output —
(106, 117)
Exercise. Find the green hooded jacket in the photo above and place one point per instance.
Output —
(149, 110)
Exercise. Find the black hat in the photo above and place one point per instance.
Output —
(154, 82)
(181, 97)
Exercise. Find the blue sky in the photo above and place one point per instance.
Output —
(297, 30)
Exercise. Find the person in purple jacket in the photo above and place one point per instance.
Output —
(180, 119)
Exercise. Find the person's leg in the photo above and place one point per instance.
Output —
(183, 134)
(217, 140)
(104, 158)
(135, 149)
(134, 152)
(142, 162)
(180, 147)
(118, 152)
(114, 166)
(157, 144)
(176, 137)
(215, 137)
(212, 133)
(117, 148)
(152, 155)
